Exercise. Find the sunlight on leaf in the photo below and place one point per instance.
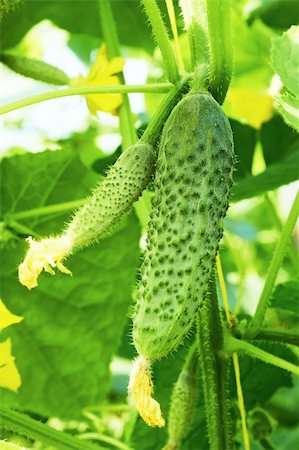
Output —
(9, 374)
(6, 317)
(102, 73)
(248, 106)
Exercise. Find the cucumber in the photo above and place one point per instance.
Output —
(192, 185)
(109, 201)
(114, 195)
(33, 68)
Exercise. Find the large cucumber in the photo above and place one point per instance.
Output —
(192, 184)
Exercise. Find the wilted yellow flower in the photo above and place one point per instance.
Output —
(141, 390)
(43, 255)
(102, 73)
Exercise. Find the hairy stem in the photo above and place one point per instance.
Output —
(172, 19)
(32, 429)
(288, 336)
(235, 358)
(84, 90)
(161, 36)
(126, 122)
(194, 13)
(218, 13)
(156, 124)
(214, 375)
(232, 345)
(257, 320)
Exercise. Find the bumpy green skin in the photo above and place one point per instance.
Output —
(192, 183)
(7, 6)
(114, 195)
(183, 401)
(35, 69)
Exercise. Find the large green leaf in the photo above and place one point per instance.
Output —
(244, 143)
(77, 17)
(72, 325)
(288, 107)
(285, 58)
(278, 140)
(274, 176)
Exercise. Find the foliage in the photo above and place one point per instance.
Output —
(66, 346)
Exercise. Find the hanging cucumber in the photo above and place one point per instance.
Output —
(192, 184)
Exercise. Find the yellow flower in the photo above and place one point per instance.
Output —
(102, 73)
(44, 255)
(9, 374)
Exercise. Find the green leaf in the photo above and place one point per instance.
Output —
(279, 14)
(274, 176)
(244, 143)
(288, 107)
(78, 17)
(278, 140)
(285, 58)
(72, 325)
(286, 296)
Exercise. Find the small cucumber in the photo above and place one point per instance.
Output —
(33, 68)
(192, 184)
(109, 201)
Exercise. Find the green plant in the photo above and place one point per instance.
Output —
(228, 378)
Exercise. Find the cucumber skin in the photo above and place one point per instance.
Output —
(192, 184)
(113, 196)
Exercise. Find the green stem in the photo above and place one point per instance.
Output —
(232, 345)
(108, 439)
(32, 429)
(84, 90)
(257, 320)
(193, 13)
(127, 128)
(214, 375)
(291, 250)
(45, 210)
(279, 335)
(218, 13)
(161, 35)
(154, 128)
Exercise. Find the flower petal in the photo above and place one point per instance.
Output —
(6, 317)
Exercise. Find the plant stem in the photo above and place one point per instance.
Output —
(291, 250)
(172, 19)
(214, 375)
(234, 356)
(32, 429)
(154, 128)
(127, 128)
(232, 345)
(161, 35)
(257, 320)
(84, 90)
(45, 210)
(218, 13)
(241, 401)
(279, 334)
(102, 437)
(193, 13)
